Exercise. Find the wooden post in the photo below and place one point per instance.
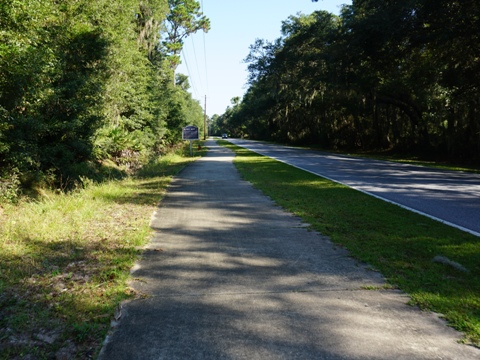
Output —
(205, 120)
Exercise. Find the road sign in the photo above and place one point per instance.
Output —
(190, 133)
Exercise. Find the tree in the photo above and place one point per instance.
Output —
(82, 81)
(150, 16)
(53, 56)
(384, 75)
(287, 76)
(184, 19)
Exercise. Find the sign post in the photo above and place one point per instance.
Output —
(190, 132)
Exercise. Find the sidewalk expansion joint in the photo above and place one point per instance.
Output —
(236, 293)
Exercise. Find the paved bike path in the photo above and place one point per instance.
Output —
(230, 275)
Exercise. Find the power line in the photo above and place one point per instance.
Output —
(196, 78)
(196, 63)
(192, 83)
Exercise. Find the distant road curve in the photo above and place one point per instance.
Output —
(450, 197)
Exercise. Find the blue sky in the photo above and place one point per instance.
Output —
(214, 61)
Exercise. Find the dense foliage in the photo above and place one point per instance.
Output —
(83, 81)
(400, 75)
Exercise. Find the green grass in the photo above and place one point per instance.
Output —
(65, 261)
(398, 243)
(416, 160)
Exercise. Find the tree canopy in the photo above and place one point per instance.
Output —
(83, 81)
(184, 19)
(400, 75)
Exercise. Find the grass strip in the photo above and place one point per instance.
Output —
(405, 247)
(65, 261)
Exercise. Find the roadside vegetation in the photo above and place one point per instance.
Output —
(382, 75)
(87, 82)
(416, 160)
(65, 260)
(437, 265)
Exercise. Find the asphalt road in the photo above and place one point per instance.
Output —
(448, 196)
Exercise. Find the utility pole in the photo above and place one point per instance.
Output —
(205, 120)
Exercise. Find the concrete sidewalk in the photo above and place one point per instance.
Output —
(230, 275)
